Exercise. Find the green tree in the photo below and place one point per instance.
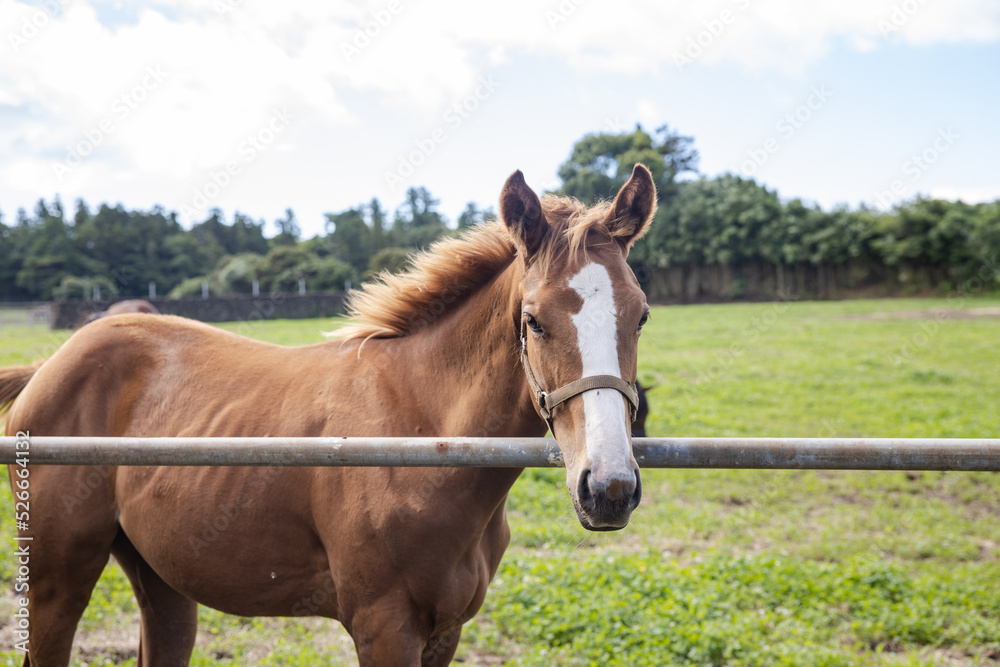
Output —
(711, 221)
(349, 237)
(276, 271)
(189, 257)
(984, 239)
(288, 230)
(129, 247)
(193, 287)
(321, 274)
(376, 218)
(417, 222)
(927, 240)
(600, 163)
(393, 260)
(9, 262)
(51, 254)
(246, 236)
(236, 273)
(472, 215)
(73, 287)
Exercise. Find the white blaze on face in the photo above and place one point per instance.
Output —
(607, 422)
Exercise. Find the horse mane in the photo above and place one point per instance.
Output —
(395, 305)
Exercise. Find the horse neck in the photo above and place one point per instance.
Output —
(472, 353)
(462, 377)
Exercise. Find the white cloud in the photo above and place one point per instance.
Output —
(177, 96)
(229, 64)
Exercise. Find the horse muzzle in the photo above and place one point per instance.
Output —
(606, 501)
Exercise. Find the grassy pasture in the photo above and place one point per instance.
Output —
(718, 567)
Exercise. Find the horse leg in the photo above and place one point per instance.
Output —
(386, 635)
(67, 555)
(441, 649)
(60, 591)
(396, 644)
(169, 620)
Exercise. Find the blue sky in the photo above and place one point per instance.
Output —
(257, 106)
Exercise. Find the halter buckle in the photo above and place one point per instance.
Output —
(543, 409)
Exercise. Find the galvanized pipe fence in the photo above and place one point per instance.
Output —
(762, 453)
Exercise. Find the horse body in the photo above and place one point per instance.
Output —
(401, 556)
(360, 533)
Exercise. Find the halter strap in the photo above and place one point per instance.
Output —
(547, 402)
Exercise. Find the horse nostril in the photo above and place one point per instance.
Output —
(637, 494)
(584, 494)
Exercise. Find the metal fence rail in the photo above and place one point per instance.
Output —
(773, 453)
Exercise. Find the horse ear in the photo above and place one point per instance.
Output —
(633, 209)
(522, 213)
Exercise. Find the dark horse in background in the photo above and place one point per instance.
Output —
(642, 412)
(476, 339)
(120, 308)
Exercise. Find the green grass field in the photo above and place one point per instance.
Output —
(717, 567)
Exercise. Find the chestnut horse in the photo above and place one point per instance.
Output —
(489, 334)
(121, 307)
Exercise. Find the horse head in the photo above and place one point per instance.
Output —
(581, 316)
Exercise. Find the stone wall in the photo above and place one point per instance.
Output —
(69, 314)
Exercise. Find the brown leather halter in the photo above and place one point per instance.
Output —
(548, 401)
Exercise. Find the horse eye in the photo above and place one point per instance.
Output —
(533, 324)
(642, 322)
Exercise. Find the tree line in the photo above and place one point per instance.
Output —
(114, 252)
(724, 237)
